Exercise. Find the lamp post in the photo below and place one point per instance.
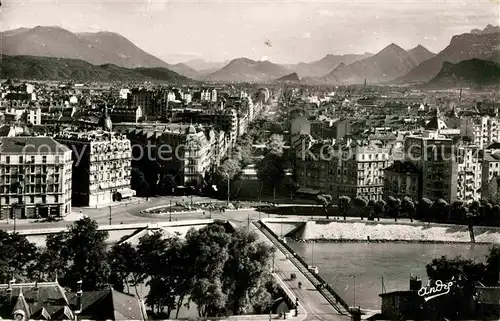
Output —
(312, 254)
(354, 290)
(170, 215)
(228, 188)
(282, 226)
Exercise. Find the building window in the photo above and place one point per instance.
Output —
(7, 160)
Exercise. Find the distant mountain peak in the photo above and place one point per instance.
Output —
(392, 48)
(248, 70)
(420, 49)
(420, 54)
(293, 77)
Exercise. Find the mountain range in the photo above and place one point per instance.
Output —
(50, 68)
(110, 55)
(96, 48)
(388, 64)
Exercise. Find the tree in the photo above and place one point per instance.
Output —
(394, 205)
(158, 256)
(424, 208)
(324, 200)
(228, 170)
(380, 208)
(372, 205)
(344, 204)
(138, 181)
(17, 258)
(493, 266)
(276, 144)
(166, 183)
(126, 267)
(82, 255)
(53, 260)
(458, 211)
(208, 248)
(408, 207)
(247, 263)
(242, 154)
(440, 209)
(271, 170)
(360, 202)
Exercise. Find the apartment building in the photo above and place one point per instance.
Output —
(146, 99)
(360, 170)
(490, 173)
(401, 179)
(186, 152)
(469, 172)
(349, 168)
(101, 166)
(484, 130)
(35, 177)
(434, 156)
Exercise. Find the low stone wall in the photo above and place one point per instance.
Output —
(381, 231)
(393, 232)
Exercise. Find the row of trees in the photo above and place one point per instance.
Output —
(477, 212)
(239, 158)
(270, 169)
(202, 268)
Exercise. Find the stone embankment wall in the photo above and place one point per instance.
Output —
(347, 231)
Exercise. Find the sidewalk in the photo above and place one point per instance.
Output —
(133, 200)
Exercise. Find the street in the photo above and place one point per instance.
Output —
(130, 213)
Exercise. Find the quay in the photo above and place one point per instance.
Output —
(319, 304)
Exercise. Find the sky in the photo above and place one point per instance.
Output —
(281, 31)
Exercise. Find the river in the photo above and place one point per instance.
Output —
(370, 262)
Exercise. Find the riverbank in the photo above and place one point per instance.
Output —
(374, 231)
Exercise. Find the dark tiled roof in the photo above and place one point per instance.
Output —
(494, 145)
(30, 145)
(491, 157)
(108, 304)
(48, 295)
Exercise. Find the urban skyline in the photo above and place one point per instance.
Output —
(281, 31)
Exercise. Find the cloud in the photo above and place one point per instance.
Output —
(306, 35)
(324, 12)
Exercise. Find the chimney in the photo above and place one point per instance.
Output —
(79, 293)
(415, 283)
